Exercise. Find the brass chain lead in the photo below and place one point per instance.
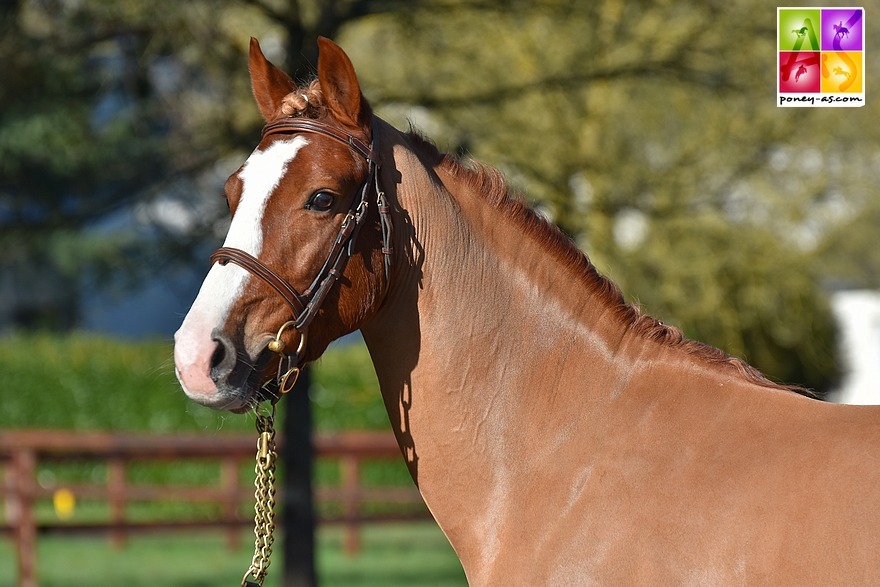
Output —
(264, 494)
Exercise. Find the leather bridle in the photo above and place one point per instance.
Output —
(305, 306)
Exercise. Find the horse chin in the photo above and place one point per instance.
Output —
(240, 400)
(225, 399)
(256, 390)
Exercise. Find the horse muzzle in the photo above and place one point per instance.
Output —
(223, 375)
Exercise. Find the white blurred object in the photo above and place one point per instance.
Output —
(858, 318)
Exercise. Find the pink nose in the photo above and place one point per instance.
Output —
(193, 368)
(192, 361)
(202, 361)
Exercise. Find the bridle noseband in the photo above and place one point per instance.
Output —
(304, 306)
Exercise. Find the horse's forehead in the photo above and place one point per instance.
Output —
(264, 169)
(258, 177)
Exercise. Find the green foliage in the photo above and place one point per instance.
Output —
(83, 382)
(739, 301)
(97, 383)
(345, 392)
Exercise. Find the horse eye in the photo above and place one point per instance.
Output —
(322, 201)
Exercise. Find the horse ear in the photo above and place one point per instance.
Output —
(339, 85)
(269, 83)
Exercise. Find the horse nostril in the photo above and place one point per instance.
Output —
(218, 356)
(224, 358)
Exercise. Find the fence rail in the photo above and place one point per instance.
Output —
(23, 451)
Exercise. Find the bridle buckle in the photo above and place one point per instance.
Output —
(288, 380)
(287, 376)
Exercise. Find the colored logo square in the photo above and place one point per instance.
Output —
(799, 72)
(842, 29)
(799, 29)
(840, 72)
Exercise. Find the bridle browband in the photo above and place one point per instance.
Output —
(304, 306)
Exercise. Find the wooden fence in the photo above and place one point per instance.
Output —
(22, 452)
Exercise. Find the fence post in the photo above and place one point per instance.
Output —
(19, 509)
(229, 486)
(349, 476)
(116, 490)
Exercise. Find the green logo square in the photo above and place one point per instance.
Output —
(799, 29)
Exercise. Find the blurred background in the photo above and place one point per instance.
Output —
(648, 131)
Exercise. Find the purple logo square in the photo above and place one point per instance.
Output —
(842, 29)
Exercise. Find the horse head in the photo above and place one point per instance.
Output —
(302, 220)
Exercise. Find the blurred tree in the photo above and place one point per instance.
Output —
(649, 132)
(119, 122)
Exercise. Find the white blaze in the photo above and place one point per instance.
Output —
(193, 346)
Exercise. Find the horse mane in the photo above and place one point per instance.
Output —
(491, 185)
(306, 101)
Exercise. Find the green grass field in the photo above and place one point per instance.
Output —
(393, 555)
(80, 382)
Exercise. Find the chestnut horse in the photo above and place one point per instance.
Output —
(558, 436)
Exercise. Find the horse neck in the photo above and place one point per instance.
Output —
(479, 316)
(467, 279)
(509, 374)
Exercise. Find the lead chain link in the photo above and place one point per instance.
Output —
(264, 494)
